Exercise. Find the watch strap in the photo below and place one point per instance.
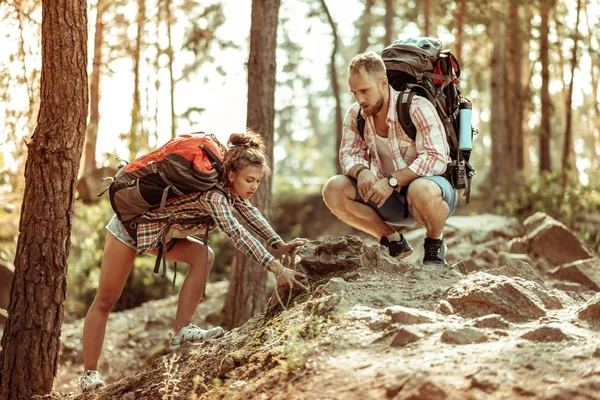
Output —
(361, 169)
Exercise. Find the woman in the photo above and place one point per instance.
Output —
(244, 166)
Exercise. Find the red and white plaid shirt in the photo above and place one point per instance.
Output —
(426, 156)
(218, 205)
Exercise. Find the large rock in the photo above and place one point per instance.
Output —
(585, 272)
(552, 241)
(515, 299)
(6, 277)
(331, 255)
(518, 268)
(591, 310)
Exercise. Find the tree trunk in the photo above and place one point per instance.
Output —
(247, 289)
(335, 87)
(136, 140)
(459, 22)
(568, 160)
(31, 341)
(169, 18)
(500, 168)
(91, 136)
(527, 68)
(514, 103)
(365, 26)
(594, 144)
(388, 22)
(545, 132)
(426, 17)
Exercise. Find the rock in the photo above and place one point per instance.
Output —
(546, 334)
(569, 286)
(552, 241)
(333, 254)
(534, 221)
(517, 246)
(334, 286)
(513, 298)
(444, 307)
(421, 388)
(591, 310)
(518, 268)
(463, 336)
(407, 316)
(487, 381)
(491, 321)
(585, 272)
(9, 208)
(506, 258)
(472, 265)
(404, 337)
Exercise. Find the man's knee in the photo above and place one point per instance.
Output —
(335, 190)
(424, 191)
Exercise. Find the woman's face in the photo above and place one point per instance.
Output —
(245, 181)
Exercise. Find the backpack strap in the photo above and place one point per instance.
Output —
(361, 122)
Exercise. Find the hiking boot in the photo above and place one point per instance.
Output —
(435, 251)
(398, 248)
(90, 380)
(193, 334)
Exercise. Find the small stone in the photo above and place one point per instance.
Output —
(546, 334)
(463, 336)
(404, 337)
(407, 316)
(445, 307)
(491, 321)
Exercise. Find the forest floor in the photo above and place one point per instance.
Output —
(496, 325)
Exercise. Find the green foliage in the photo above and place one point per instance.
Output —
(577, 206)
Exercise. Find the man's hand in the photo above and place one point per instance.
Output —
(289, 247)
(379, 192)
(366, 180)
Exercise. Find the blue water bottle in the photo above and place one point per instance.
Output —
(465, 136)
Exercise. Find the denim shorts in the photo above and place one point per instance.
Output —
(392, 211)
(116, 228)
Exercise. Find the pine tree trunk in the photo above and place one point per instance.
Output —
(594, 144)
(568, 158)
(459, 13)
(335, 86)
(91, 136)
(136, 140)
(388, 22)
(169, 18)
(546, 132)
(426, 17)
(31, 341)
(500, 168)
(247, 289)
(514, 102)
(365, 27)
(527, 68)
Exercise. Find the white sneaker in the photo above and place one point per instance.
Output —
(90, 380)
(191, 334)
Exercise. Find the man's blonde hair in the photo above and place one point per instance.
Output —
(370, 61)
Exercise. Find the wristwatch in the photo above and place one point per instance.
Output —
(393, 181)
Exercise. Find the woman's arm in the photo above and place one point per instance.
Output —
(258, 223)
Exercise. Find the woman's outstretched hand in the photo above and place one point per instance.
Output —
(289, 247)
(287, 277)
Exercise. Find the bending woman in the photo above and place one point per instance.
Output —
(245, 165)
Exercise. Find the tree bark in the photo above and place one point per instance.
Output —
(388, 22)
(136, 140)
(514, 102)
(546, 130)
(365, 26)
(335, 86)
(169, 18)
(91, 136)
(527, 68)
(500, 167)
(426, 17)
(568, 158)
(247, 289)
(459, 13)
(31, 341)
(594, 144)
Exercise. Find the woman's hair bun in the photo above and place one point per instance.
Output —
(248, 139)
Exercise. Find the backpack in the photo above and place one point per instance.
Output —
(184, 165)
(419, 67)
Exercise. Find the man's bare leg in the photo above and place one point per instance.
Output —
(339, 194)
(428, 206)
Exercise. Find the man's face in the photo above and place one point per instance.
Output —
(367, 91)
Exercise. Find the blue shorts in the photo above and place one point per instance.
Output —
(116, 228)
(392, 210)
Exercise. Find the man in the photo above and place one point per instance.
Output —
(369, 196)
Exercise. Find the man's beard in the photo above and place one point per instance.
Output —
(376, 108)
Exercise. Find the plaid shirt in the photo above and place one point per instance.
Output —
(427, 155)
(216, 204)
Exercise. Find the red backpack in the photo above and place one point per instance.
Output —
(187, 164)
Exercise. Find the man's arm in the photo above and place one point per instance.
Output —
(353, 149)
